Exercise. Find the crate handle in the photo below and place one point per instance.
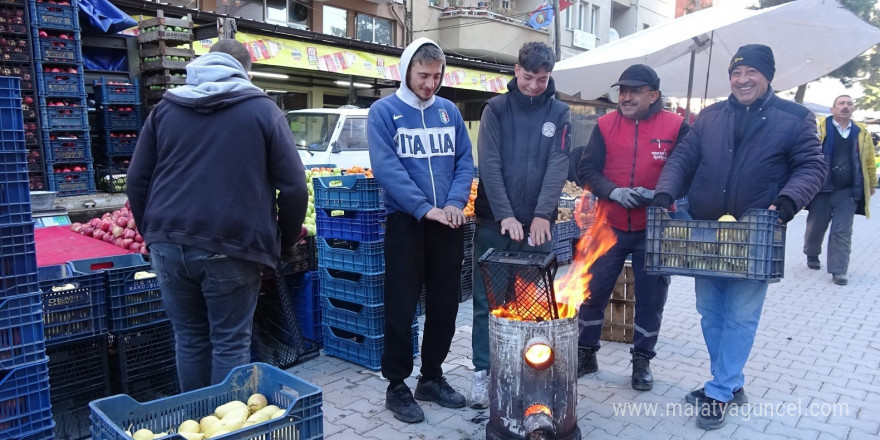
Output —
(293, 394)
(101, 265)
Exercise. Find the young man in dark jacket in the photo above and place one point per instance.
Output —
(421, 156)
(202, 188)
(523, 159)
(621, 165)
(754, 150)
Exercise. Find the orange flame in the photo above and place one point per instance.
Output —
(573, 288)
(520, 308)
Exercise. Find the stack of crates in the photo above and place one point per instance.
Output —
(466, 287)
(563, 235)
(118, 115)
(75, 328)
(141, 340)
(16, 59)
(350, 219)
(165, 47)
(62, 97)
(25, 407)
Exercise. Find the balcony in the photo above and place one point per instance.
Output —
(486, 35)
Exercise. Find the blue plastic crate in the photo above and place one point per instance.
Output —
(307, 303)
(157, 385)
(72, 183)
(141, 352)
(116, 143)
(45, 15)
(71, 414)
(18, 260)
(45, 433)
(132, 288)
(304, 418)
(15, 198)
(65, 113)
(11, 116)
(360, 349)
(17, 51)
(117, 93)
(564, 252)
(25, 408)
(78, 368)
(358, 225)
(353, 256)
(347, 192)
(353, 286)
(60, 80)
(21, 330)
(56, 49)
(358, 318)
(67, 147)
(119, 117)
(74, 304)
(753, 247)
(565, 230)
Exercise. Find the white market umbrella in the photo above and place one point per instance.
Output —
(809, 38)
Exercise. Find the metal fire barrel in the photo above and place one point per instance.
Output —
(516, 387)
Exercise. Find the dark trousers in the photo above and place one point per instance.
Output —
(837, 208)
(650, 292)
(418, 253)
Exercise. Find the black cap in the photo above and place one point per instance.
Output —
(758, 56)
(639, 75)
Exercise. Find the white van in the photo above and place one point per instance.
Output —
(333, 137)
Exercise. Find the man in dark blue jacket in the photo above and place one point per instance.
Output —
(754, 150)
(202, 187)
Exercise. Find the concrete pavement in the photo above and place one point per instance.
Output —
(813, 372)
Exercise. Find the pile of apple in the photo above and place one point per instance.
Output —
(227, 418)
(116, 228)
(309, 222)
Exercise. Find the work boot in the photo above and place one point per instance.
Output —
(399, 400)
(839, 279)
(587, 362)
(739, 397)
(711, 414)
(813, 263)
(440, 392)
(642, 379)
(479, 397)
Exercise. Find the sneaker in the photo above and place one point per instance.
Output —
(587, 362)
(839, 279)
(739, 397)
(642, 379)
(813, 263)
(711, 414)
(479, 396)
(399, 400)
(439, 391)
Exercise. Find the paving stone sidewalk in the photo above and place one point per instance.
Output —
(813, 372)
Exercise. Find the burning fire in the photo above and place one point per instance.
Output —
(573, 288)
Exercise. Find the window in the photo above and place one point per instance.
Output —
(582, 16)
(287, 12)
(335, 21)
(353, 135)
(249, 9)
(568, 17)
(594, 21)
(374, 29)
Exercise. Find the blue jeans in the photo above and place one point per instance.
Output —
(650, 293)
(730, 311)
(210, 299)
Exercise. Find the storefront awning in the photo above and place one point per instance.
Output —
(307, 55)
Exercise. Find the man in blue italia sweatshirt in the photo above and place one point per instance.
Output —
(421, 157)
(202, 190)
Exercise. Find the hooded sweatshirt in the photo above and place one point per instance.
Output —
(419, 150)
(208, 161)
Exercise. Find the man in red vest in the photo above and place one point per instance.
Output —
(621, 165)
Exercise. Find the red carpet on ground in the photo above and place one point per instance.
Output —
(58, 245)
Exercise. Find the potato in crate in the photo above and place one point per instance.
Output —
(294, 408)
(752, 247)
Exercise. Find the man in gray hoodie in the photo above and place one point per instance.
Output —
(202, 185)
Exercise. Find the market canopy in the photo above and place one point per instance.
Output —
(809, 38)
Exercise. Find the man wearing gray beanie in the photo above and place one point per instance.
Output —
(752, 151)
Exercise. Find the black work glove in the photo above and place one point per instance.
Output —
(786, 209)
(644, 196)
(662, 200)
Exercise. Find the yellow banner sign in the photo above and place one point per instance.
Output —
(311, 56)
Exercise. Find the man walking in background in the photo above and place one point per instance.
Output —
(847, 191)
(421, 156)
(621, 165)
(216, 139)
